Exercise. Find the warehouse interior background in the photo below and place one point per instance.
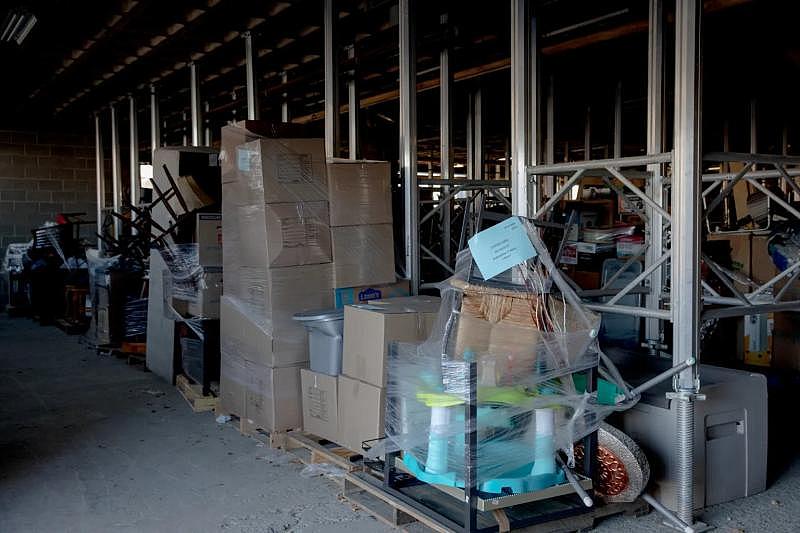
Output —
(651, 148)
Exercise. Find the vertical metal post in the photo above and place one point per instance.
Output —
(655, 144)
(550, 141)
(331, 82)
(133, 147)
(250, 77)
(100, 178)
(477, 140)
(155, 131)
(194, 101)
(116, 169)
(470, 126)
(206, 124)
(284, 99)
(618, 121)
(524, 107)
(352, 109)
(445, 140)
(686, 241)
(408, 139)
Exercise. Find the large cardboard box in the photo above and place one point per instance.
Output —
(208, 236)
(366, 293)
(320, 404)
(359, 192)
(278, 235)
(205, 301)
(263, 397)
(361, 412)
(363, 255)
(369, 328)
(276, 171)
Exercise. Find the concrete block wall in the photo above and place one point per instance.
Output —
(42, 174)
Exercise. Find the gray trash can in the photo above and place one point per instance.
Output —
(325, 327)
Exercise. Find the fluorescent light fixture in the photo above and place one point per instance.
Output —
(17, 25)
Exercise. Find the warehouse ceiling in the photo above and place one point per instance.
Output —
(81, 56)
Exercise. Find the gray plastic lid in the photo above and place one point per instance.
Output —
(319, 315)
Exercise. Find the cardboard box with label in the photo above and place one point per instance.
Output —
(278, 235)
(369, 328)
(359, 192)
(361, 412)
(320, 404)
(276, 171)
(366, 293)
(363, 255)
(208, 236)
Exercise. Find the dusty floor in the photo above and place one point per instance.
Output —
(89, 444)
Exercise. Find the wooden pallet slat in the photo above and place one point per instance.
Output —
(193, 394)
(312, 449)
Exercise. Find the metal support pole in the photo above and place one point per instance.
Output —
(353, 106)
(155, 132)
(524, 107)
(477, 139)
(331, 82)
(618, 121)
(587, 135)
(470, 168)
(686, 209)
(206, 124)
(194, 101)
(251, 80)
(550, 141)
(284, 99)
(136, 184)
(655, 145)
(445, 141)
(100, 179)
(408, 139)
(753, 126)
(116, 170)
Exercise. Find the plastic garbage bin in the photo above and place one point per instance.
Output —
(325, 327)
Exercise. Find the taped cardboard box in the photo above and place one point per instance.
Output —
(359, 192)
(208, 236)
(279, 235)
(366, 293)
(277, 171)
(263, 397)
(363, 255)
(361, 412)
(369, 328)
(245, 131)
(205, 302)
(320, 404)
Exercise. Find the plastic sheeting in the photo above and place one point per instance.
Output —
(516, 347)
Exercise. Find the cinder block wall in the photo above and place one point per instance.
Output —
(42, 174)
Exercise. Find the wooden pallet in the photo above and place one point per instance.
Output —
(389, 509)
(72, 328)
(193, 394)
(273, 439)
(311, 449)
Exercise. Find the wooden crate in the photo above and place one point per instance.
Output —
(193, 394)
(311, 449)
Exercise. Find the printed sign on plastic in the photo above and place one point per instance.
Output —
(500, 247)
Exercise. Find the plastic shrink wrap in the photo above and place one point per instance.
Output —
(523, 348)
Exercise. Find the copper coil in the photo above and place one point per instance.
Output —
(612, 474)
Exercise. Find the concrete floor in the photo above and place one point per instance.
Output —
(89, 444)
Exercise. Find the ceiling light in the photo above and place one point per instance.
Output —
(17, 25)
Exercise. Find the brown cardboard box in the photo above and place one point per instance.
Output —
(232, 382)
(278, 235)
(749, 255)
(369, 328)
(363, 255)
(206, 301)
(276, 171)
(320, 404)
(359, 192)
(361, 412)
(366, 293)
(208, 236)
(272, 398)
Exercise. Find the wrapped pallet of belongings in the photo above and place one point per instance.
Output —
(510, 360)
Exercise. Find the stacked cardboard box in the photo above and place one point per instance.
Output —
(361, 222)
(350, 410)
(277, 261)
